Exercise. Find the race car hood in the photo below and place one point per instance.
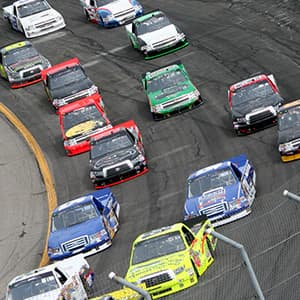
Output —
(116, 6)
(52, 295)
(42, 17)
(25, 64)
(169, 262)
(289, 134)
(159, 35)
(247, 107)
(113, 158)
(71, 89)
(84, 128)
(214, 196)
(86, 228)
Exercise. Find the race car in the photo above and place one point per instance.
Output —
(154, 35)
(67, 82)
(110, 13)
(117, 155)
(224, 192)
(289, 131)
(21, 64)
(79, 121)
(33, 17)
(84, 225)
(170, 259)
(254, 103)
(47, 282)
(170, 91)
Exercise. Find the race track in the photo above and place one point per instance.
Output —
(229, 40)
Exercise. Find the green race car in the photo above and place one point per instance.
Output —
(170, 91)
(172, 258)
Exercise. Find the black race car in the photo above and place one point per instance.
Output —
(67, 82)
(254, 103)
(117, 155)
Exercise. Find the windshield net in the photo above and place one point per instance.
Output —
(157, 246)
(210, 181)
(110, 144)
(73, 215)
(33, 286)
(258, 90)
(156, 22)
(32, 8)
(67, 76)
(17, 55)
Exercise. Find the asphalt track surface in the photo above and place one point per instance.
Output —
(229, 40)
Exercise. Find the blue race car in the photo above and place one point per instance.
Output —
(111, 13)
(224, 192)
(83, 225)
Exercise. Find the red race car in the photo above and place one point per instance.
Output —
(254, 103)
(67, 82)
(117, 155)
(81, 120)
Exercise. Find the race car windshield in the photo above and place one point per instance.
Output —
(65, 77)
(252, 92)
(100, 3)
(32, 8)
(166, 83)
(157, 246)
(20, 55)
(111, 144)
(33, 286)
(73, 215)
(156, 22)
(88, 115)
(210, 181)
(289, 119)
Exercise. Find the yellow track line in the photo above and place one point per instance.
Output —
(44, 169)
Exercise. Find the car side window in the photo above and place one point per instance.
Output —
(237, 172)
(133, 28)
(189, 237)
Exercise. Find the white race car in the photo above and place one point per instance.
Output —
(155, 35)
(33, 17)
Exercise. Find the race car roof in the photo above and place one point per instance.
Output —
(63, 65)
(238, 160)
(93, 99)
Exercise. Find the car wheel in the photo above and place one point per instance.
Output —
(156, 117)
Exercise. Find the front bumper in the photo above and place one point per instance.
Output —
(178, 109)
(166, 50)
(119, 21)
(244, 128)
(290, 157)
(79, 148)
(88, 250)
(100, 183)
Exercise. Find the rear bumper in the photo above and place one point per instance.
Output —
(290, 157)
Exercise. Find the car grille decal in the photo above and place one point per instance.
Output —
(175, 101)
(75, 244)
(212, 210)
(260, 115)
(45, 24)
(164, 42)
(125, 13)
(117, 168)
(157, 279)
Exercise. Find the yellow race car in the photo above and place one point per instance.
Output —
(172, 258)
(123, 294)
